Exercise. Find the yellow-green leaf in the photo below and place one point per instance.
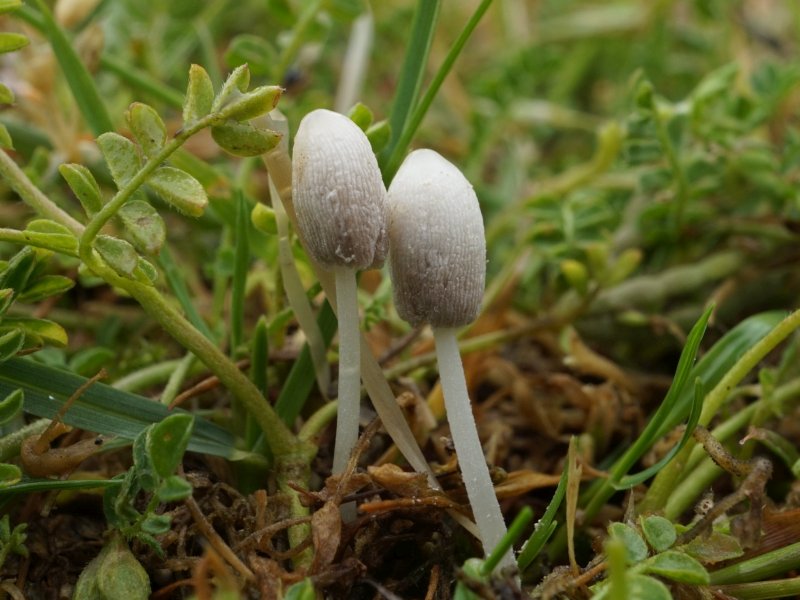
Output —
(242, 139)
(147, 127)
(180, 190)
(199, 95)
(12, 41)
(121, 155)
(83, 185)
(119, 254)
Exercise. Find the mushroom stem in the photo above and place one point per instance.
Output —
(464, 432)
(349, 367)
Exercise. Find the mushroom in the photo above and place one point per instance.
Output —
(437, 258)
(340, 201)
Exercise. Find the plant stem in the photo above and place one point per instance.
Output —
(349, 368)
(763, 590)
(33, 197)
(761, 567)
(464, 432)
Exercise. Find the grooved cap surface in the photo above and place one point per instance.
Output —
(338, 192)
(437, 247)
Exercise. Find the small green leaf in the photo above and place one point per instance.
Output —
(263, 218)
(252, 104)
(635, 548)
(146, 272)
(18, 270)
(379, 135)
(179, 189)
(9, 475)
(144, 470)
(238, 82)
(119, 254)
(9, 5)
(677, 566)
(119, 574)
(167, 441)
(11, 406)
(121, 155)
(12, 41)
(46, 287)
(714, 548)
(254, 50)
(659, 532)
(242, 139)
(11, 342)
(576, 274)
(144, 226)
(48, 331)
(174, 489)
(156, 524)
(83, 185)
(199, 95)
(361, 115)
(5, 138)
(90, 360)
(302, 590)
(147, 127)
(6, 95)
(642, 587)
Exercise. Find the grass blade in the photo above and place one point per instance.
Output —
(178, 287)
(412, 73)
(80, 82)
(302, 377)
(546, 525)
(102, 408)
(240, 264)
(398, 149)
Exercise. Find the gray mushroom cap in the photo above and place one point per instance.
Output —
(338, 192)
(437, 247)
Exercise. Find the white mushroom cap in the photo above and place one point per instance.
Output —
(437, 245)
(338, 192)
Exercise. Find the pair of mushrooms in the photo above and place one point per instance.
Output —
(430, 223)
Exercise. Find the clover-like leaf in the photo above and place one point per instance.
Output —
(635, 548)
(9, 475)
(379, 135)
(144, 226)
(263, 218)
(145, 272)
(242, 139)
(36, 330)
(302, 590)
(119, 254)
(180, 190)
(174, 489)
(11, 342)
(677, 566)
(156, 524)
(51, 235)
(147, 127)
(83, 185)
(17, 271)
(252, 104)
(12, 41)
(236, 83)
(361, 115)
(659, 532)
(11, 406)
(121, 155)
(167, 441)
(46, 286)
(714, 548)
(199, 95)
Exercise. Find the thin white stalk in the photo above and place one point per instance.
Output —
(464, 432)
(349, 368)
(356, 61)
(296, 295)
